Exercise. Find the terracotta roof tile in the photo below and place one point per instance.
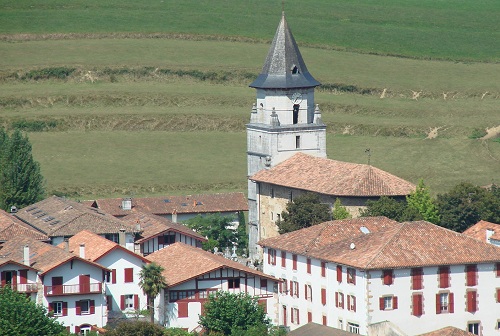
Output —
(331, 177)
(448, 331)
(183, 263)
(153, 225)
(57, 216)
(479, 230)
(208, 203)
(11, 227)
(394, 245)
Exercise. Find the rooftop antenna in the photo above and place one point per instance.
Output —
(368, 152)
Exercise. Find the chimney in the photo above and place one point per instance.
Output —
(121, 237)
(82, 251)
(489, 233)
(174, 216)
(26, 255)
(13, 209)
(66, 244)
(127, 204)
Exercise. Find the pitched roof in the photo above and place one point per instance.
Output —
(57, 216)
(96, 246)
(43, 256)
(207, 203)
(11, 227)
(283, 57)
(400, 245)
(315, 329)
(331, 177)
(184, 262)
(153, 225)
(481, 228)
(448, 331)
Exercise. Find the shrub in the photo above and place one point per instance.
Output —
(48, 73)
(477, 133)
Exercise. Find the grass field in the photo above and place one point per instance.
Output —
(111, 113)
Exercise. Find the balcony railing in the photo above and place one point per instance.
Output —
(24, 288)
(92, 288)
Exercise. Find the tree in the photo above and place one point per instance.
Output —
(152, 282)
(229, 313)
(340, 211)
(21, 182)
(136, 328)
(21, 316)
(304, 211)
(391, 208)
(220, 231)
(421, 202)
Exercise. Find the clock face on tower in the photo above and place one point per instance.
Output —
(297, 98)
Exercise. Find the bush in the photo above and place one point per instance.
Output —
(477, 133)
(137, 328)
(48, 73)
(34, 125)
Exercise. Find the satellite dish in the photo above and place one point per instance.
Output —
(353, 246)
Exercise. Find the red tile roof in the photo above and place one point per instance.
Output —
(96, 246)
(480, 229)
(183, 263)
(209, 203)
(153, 225)
(11, 227)
(448, 331)
(43, 256)
(385, 245)
(57, 216)
(331, 177)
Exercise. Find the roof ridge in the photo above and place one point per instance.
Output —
(381, 249)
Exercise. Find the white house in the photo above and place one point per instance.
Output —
(70, 287)
(350, 274)
(192, 274)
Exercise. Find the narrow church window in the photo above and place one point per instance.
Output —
(296, 114)
(295, 70)
(272, 192)
(297, 141)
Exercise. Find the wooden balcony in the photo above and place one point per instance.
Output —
(78, 289)
(24, 288)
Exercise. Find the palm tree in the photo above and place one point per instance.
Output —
(152, 282)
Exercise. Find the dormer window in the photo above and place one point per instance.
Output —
(295, 70)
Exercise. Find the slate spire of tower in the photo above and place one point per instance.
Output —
(284, 67)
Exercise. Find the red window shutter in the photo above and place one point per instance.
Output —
(113, 276)
(291, 288)
(14, 278)
(451, 303)
(122, 302)
(136, 301)
(308, 265)
(65, 309)
(387, 277)
(394, 302)
(416, 278)
(381, 302)
(297, 289)
(337, 299)
(324, 320)
(129, 275)
(263, 304)
(280, 287)
(292, 315)
(444, 277)
(339, 273)
(92, 307)
(323, 296)
(417, 304)
(342, 300)
(309, 317)
(109, 302)
(77, 330)
(354, 303)
(348, 302)
(269, 256)
(51, 307)
(438, 304)
(23, 277)
(294, 258)
(471, 301)
(471, 275)
(182, 309)
(298, 316)
(3, 275)
(498, 294)
(283, 259)
(305, 291)
(323, 269)
(78, 308)
(498, 269)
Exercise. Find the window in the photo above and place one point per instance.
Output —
(353, 327)
(323, 269)
(85, 306)
(263, 284)
(271, 256)
(417, 278)
(297, 141)
(308, 265)
(351, 303)
(295, 316)
(283, 286)
(129, 275)
(417, 309)
(388, 277)
(308, 292)
(471, 275)
(444, 276)
(129, 301)
(339, 300)
(294, 262)
(233, 283)
(473, 327)
(112, 236)
(444, 303)
(471, 301)
(57, 308)
(283, 259)
(294, 288)
(339, 273)
(272, 192)
(107, 276)
(182, 309)
(351, 276)
(296, 114)
(388, 303)
(323, 296)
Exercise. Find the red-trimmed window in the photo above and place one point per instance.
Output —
(295, 316)
(323, 296)
(471, 301)
(308, 265)
(323, 269)
(388, 302)
(308, 292)
(324, 320)
(85, 307)
(418, 308)
(339, 300)
(417, 277)
(471, 273)
(351, 276)
(294, 262)
(129, 275)
(271, 256)
(351, 303)
(283, 259)
(113, 276)
(58, 308)
(444, 276)
(388, 277)
(445, 303)
(296, 289)
(339, 273)
(309, 317)
(182, 309)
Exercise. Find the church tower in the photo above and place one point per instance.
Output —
(284, 120)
